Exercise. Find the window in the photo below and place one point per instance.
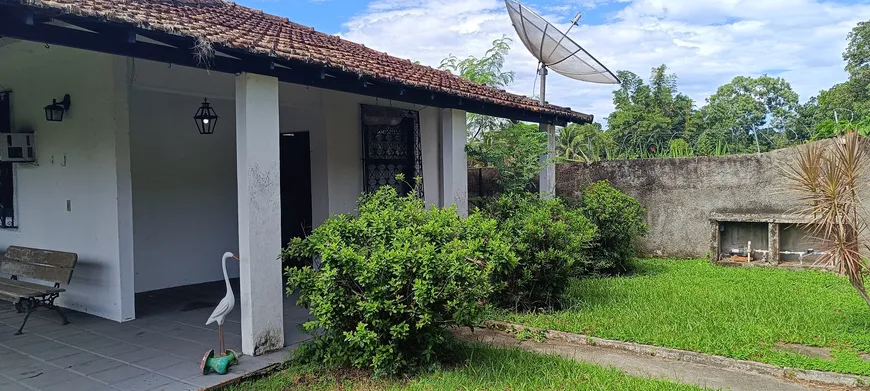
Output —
(7, 172)
(391, 145)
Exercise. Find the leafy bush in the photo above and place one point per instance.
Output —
(620, 222)
(550, 241)
(391, 279)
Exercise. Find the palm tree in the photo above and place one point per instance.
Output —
(568, 144)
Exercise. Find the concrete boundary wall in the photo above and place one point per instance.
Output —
(681, 194)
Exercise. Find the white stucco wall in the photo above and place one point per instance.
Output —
(184, 186)
(343, 130)
(185, 204)
(184, 183)
(77, 162)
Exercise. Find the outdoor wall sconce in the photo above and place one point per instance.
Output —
(54, 112)
(205, 118)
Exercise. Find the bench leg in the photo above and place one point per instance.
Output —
(49, 303)
(59, 312)
(30, 307)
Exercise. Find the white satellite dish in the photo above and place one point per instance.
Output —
(555, 50)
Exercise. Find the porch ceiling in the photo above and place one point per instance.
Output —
(258, 43)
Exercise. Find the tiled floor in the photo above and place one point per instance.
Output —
(160, 350)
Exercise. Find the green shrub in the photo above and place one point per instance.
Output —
(391, 279)
(550, 241)
(620, 222)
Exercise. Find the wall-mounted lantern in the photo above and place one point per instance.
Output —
(205, 118)
(54, 112)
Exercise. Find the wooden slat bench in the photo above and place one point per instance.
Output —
(44, 265)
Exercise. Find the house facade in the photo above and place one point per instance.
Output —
(302, 124)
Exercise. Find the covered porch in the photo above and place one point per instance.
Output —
(160, 350)
(128, 182)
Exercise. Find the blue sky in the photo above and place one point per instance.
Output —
(705, 42)
(329, 16)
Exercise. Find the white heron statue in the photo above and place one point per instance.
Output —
(226, 305)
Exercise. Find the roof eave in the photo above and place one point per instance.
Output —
(114, 38)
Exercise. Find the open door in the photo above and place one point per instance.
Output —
(295, 186)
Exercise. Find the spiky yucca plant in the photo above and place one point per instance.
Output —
(828, 179)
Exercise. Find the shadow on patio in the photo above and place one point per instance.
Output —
(160, 350)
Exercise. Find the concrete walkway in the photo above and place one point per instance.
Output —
(160, 350)
(644, 365)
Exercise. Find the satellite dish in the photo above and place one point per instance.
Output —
(555, 50)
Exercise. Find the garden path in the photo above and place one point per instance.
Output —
(647, 366)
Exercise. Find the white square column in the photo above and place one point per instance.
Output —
(547, 177)
(259, 189)
(454, 189)
(121, 114)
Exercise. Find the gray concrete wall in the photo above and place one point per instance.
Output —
(680, 194)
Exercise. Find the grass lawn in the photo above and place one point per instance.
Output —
(483, 368)
(735, 312)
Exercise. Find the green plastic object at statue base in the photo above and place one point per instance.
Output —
(219, 364)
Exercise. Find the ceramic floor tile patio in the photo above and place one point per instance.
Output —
(160, 350)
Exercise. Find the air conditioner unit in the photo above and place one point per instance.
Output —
(17, 147)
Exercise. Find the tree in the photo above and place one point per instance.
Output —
(857, 54)
(648, 115)
(857, 57)
(844, 106)
(753, 112)
(486, 70)
(514, 152)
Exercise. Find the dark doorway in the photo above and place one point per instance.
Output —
(295, 186)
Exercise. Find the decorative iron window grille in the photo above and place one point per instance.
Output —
(7, 172)
(391, 146)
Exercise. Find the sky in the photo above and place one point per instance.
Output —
(705, 42)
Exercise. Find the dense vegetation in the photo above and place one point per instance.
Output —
(551, 243)
(391, 279)
(480, 368)
(620, 220)
(742, 313)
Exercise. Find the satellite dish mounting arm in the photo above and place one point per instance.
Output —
(574, 22)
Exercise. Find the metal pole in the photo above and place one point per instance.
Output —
(757, 146)
(221, 340)
(547, 177)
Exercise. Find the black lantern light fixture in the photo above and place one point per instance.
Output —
(54, 112)
(205, 118)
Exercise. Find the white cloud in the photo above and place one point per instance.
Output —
(705, 42)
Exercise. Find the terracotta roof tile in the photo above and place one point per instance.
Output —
(252, 30)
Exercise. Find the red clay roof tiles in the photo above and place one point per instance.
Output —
(252, 30)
